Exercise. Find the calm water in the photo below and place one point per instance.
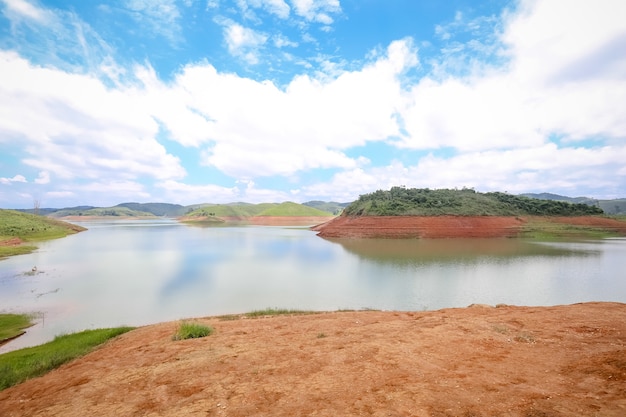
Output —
(135, 273)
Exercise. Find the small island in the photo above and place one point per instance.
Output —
(445, 213)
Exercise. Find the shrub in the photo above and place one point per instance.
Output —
(192, 331)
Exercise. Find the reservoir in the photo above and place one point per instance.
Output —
(141, 272)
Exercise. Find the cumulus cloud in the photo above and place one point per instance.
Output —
(16, 178)
(306, 125)
(516, 127)
(72, 126)
(556, 83)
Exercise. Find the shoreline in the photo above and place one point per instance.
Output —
(478, 360)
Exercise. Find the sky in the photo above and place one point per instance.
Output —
(218, 101)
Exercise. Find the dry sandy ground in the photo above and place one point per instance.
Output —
(477, 361)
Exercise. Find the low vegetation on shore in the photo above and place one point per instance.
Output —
(19, 365)
(13, 325)
(17, 228)
(243, 211)
(401, 201)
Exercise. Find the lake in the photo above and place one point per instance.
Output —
(142, 272)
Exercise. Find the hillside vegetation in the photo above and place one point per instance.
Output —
(17, 227)
(117, 211)
(615, 206)
(244, 210)
(401, 201)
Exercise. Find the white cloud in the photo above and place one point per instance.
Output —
(280, 41)
(16, 178)
(276, 7)
(316, 10)
(26, 9)
(72, 126)
(569, 171)
(181, 193)
(557, 83)
(158, 16)
(244, 42)
(43, 178)
(255, 128)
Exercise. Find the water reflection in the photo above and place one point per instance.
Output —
(423, 251)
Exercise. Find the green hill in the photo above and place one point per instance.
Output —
(617, 206)
(245, 210)
(466, 202)
(241, 210)
(117, 211)
(158, 209)
(328, 206)
(290, 209)
(27, 227)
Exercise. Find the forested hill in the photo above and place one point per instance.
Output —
(401, 201)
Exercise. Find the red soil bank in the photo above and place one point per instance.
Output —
(449, 226)
(421, 226)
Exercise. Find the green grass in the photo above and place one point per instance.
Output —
(12, 325)
(23, 364)
(244, 210)
(293, 210)
(544, 230)
(276, 312)
(6, 251)
(29, 228)
(188, 330)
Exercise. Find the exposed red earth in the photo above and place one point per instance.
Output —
(477, 361)
(14, 241)
(447, 226)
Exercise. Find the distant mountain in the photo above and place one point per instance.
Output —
(116, 211)
(158, 209)
(48, 211)
(328, 206)
(616, 206)
(556, 197)
(244, 210)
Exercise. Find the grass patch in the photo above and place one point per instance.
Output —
(188, 330)
(6, 251)
(544, 230)
(13, 325)
(28, 227)
(23, 364)
(276, 312)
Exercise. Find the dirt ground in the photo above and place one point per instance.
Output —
(476, 361)
(447, 226)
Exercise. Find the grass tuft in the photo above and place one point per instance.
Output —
(19, 365)
(276, 312)
(188, 330)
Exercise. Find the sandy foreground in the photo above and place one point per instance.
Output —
(476, 361)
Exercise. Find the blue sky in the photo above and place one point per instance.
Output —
(194, 101)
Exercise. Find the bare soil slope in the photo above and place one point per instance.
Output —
(478, 361)
(449, 226)
(421, 226)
